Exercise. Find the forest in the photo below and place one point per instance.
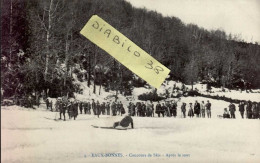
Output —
(41, 48)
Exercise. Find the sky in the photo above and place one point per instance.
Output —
(238, 17)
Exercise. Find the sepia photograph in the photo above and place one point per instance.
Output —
(118, 81)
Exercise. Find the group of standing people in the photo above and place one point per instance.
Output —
(247, 109)
(141, 109)
(74, 107)
(250, 110)
(199, 109)
(169, 109)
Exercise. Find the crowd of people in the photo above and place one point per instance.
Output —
(140, 109)
(73, 107)
(250, 110)
(247, 109)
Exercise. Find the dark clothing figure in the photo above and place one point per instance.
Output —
(255, 111)
(232, 109)
(143, 110)
(122, 109)
(74, 110)
(190, 112)
(131, 109)
(152, 110)
(183, 110)
(163, 110)
(174, 109)
(208, 109)
(241, 107)
(159, 110)
(139, 109)
(167, 109)
(249, 110)
(80, 107)
(94, 107)
(85, 107)
(125, 122)
(47, 103)
(149, 110)
(103, 108)
(98, 109)
(70, 110)
(113, 107)
(62, 106)
(89, 108)
(197, 109)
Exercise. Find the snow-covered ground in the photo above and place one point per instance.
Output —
(34, 136)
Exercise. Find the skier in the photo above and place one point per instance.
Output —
(183, 109)
(208, 109)
(125, 122)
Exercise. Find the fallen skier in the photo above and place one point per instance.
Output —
(125, 122)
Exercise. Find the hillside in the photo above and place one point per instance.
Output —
(31, 60)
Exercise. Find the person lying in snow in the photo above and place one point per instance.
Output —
(226, 113)
(125, 122)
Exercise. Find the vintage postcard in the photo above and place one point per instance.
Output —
(118, 81)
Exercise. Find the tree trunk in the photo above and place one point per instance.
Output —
(11, 31)
(89, 69)
(100, 85)
(48, 36)
(66, 60)
(94, 90)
